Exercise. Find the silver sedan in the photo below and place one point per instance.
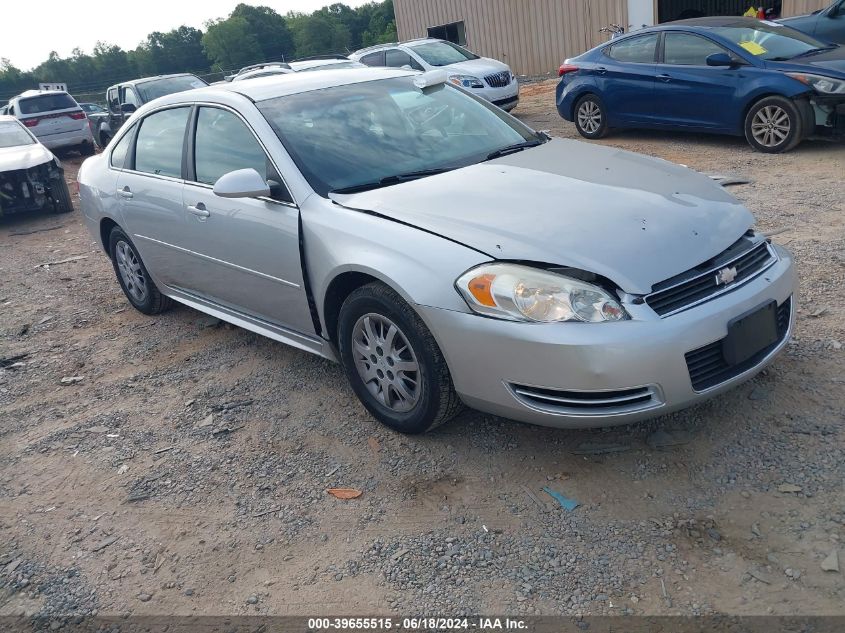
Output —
(443, 252)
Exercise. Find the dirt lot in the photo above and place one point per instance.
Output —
(186, 471)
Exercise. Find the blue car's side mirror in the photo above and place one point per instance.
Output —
(720, 59)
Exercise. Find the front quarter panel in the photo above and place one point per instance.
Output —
(420, 266)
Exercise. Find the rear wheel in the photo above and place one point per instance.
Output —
(62, 202)
(590, 117)
(774, 125)
(393, 363)
(133, 277)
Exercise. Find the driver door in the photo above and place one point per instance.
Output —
(244, 251)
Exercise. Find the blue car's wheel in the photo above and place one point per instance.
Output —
(774, 125)
(590, 117)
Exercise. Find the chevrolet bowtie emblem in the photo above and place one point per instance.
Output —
(725, 276)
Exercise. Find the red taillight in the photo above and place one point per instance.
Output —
(30, 122)
(566, 68)
(77, 115)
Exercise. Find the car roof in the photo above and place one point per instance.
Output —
(135, 82)
(27, 94)
(378, 47)
(263, 88)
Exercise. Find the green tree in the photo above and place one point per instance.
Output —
(270, 30)
(319, 34)
(230, 44)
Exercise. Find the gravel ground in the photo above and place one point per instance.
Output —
(185, 471)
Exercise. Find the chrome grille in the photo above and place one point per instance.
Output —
(743, 263)
(498, 80)
(707, 366)
(587, 402)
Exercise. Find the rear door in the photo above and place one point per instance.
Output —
(150, 190)
(244, 251)
(688, 92)
(624, 75)
(50, 114)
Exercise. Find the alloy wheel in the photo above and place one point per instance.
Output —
(130, 271)
(771, 126)
(589, 117)
(386, 362)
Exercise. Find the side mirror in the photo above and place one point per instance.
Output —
(242, 183)
(127, 108)
(720, 59)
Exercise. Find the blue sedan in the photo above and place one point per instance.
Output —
(727, 75)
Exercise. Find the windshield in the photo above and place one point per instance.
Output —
(346, 136)
(13, 135)
(156, 88)
(46, 103)
(769, 40)
(442, 53)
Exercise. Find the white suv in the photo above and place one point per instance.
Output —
(55, 118)
(481, 76)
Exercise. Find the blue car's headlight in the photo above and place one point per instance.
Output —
(820, 83)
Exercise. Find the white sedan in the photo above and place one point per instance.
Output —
(31, 178)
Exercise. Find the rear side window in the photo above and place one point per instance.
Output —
(685, 49)
(639, 50)
(118, 154)
(47, 103)
(373, 59)
(396, 58)
(158, 149)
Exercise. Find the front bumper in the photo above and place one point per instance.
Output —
(640, 364)
(506, 98)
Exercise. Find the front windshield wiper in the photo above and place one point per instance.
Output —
(814, 51)
(392, 180)
(512, 149)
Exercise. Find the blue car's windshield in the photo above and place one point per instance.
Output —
(374, 133)
(769, 40)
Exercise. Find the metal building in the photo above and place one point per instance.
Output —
(535, 36)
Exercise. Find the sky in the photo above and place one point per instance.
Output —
(29, 32)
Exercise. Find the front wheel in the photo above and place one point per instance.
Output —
(60, 193)
(773, 125)
(393, 363)
(590, 117)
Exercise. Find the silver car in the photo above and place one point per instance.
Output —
(442, 251)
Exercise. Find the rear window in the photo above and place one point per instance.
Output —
(47, 103)
(13, 135)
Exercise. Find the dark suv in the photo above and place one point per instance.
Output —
(124, 98)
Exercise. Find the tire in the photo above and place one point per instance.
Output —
(590, 117)
(774, 125)
(134, 279)
(86, 149)
(105, 137)
(431, 399)
(62, 202)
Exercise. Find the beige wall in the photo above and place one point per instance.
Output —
(800, 7)
(531, 36)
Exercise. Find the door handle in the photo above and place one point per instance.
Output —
(601, 70)
(199, 210)
(126, 192)
(665, 78)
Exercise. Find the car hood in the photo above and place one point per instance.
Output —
(831, 63)
(23, 156)
(633, 219)
(478, 67)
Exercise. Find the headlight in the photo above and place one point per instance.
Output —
(522, 293)
(466, 81)
(820, 83)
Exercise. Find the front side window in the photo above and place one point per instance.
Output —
(354, 135)
(223, 144)
(638, 50)
(13, 135)
(684, 49)
(130, 97)
(158, 149)
(442, 53)
(114, 102)
(120, 151)
(396, 58)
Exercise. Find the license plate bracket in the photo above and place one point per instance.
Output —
(750, 333)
